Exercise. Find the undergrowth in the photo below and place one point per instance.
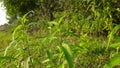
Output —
(52, 46)
(81, 37)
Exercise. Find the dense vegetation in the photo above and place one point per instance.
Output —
(61, 34)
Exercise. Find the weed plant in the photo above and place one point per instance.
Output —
(73, 40)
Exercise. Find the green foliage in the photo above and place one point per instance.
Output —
(111, 35)
(63, 34)
(113, 62)
(68, 55)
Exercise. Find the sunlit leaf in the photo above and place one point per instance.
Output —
(115, 45)
(62, 65)
(47, 60)
(68, 55)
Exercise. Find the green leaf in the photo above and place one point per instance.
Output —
(16, 29)
(26, 63)
(68, 55)
(106, 66)
(7, 57)
(115, 45)
(111, 34)
(52, 23)
(113, 61)
(50, 55)
(62, 65)
(61, 20)
(24, 18)
(47, 60)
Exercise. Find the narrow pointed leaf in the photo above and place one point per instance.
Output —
(68, 55)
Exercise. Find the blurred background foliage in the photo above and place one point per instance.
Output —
(91, 16)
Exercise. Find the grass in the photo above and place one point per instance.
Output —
(70, 41)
